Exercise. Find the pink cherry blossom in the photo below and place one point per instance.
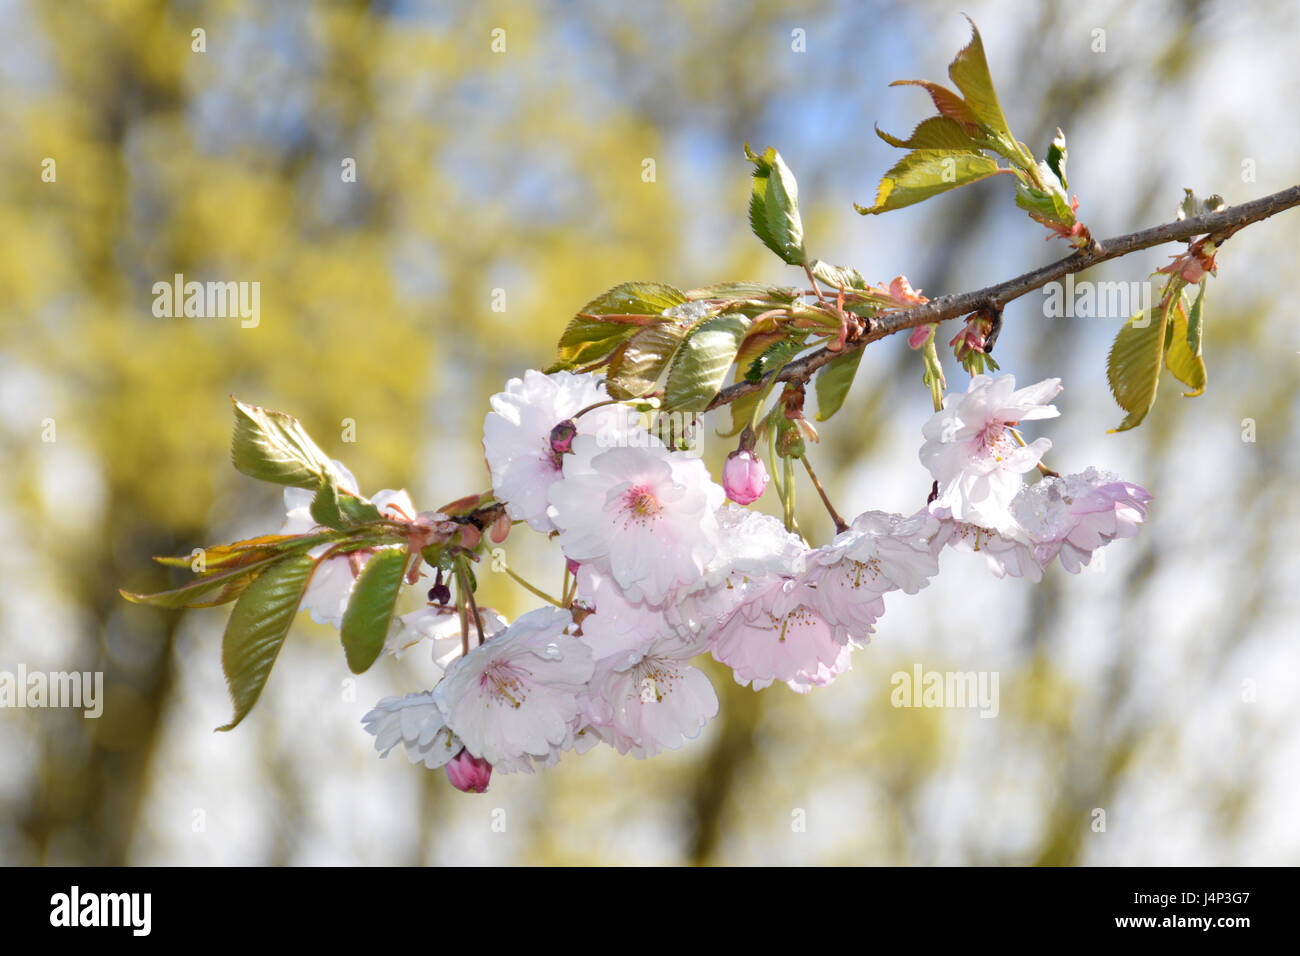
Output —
(643, 702)
(972, 454)
(1071, 517)
(899, 295)
(752, 546)
(879, 553)
(778, 634)
(645, 516)
(1005, 556)
(514, 699)
(517, 436)
(615, 627)
(440, 625)
(416, 722)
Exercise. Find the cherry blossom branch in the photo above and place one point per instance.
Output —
(1217, 225)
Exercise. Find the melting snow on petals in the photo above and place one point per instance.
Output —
(1072, 517)
(1067, 518)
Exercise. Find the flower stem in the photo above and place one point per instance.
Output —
(1042, 469)
(840, 525)
(788, 498)
(594, 406)
(462, 579)
(535, 590)
(464, 616)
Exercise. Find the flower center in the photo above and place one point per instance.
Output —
(797, 620)
(657, 678)
(640, 504)
(502, 686)
(996, 440)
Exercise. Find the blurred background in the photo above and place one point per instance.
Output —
(1161, 686)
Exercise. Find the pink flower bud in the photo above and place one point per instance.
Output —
(743, 477)
(919, 336)
(469, 773)
(562, 437)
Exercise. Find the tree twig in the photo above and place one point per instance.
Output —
(1219, 225)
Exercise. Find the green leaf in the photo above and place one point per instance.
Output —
(701, 364)
(927, 172)
(1193, 206)
(936, 132)
(357, 510)
(637, 368)
(833, 383)
(589, 339)
(370, 610)
(1056, 154)
(272, 446)
(1052, 204)
(932, 376)
(838, 277)
(240, 552)
(774, 206)
(325, 506)
(775, 357)
(948, 103)
(742, 410)
(257, 628)
(1133, 367)
(1195, 322)
(207, 591)
(744, 290)
(1186, 365)
(969, 70)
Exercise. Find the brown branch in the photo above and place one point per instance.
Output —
(1218, 225)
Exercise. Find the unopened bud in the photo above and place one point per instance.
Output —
(469, 773)
(440, 593)
(562, 437)
(743, 477)
(789, 441)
